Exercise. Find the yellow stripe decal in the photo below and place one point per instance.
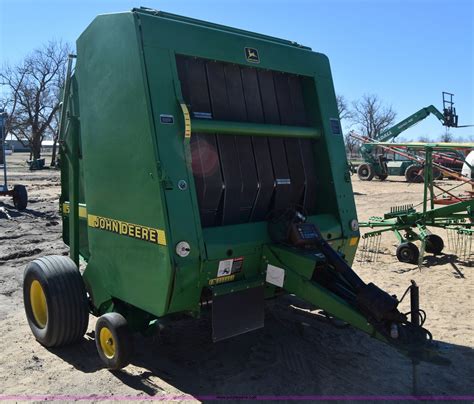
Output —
(82, 210)
(187, 121)
(222, 279)
(137, 231)
(145, 233)
(353, 241)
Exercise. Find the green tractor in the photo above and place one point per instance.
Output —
(385, 167)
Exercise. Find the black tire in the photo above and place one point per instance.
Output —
(412, 174)
(365, 172)
(20, 197)
(382, 177)
(408, 252)
(434, 244)
(113, 340)
(55, 301)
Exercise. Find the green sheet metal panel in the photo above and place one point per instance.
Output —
(121, 170)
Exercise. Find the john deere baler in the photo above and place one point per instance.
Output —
(202, 166)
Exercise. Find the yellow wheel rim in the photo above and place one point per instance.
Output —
(107, 342)
(39, 307)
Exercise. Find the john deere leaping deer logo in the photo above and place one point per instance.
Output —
(251, 54)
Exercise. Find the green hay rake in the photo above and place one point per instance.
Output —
(410, 225)
(460, 242)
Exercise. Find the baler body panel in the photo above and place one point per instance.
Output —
(121, 172)
(136, 158)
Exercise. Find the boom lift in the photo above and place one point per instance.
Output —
(376, 165)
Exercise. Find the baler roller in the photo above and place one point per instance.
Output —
(252, 129)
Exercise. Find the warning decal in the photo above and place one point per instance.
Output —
(230, 266)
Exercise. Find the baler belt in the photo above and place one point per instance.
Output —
(240, 179)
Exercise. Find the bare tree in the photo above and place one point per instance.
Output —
(371, 116)
(423, 139)
(446, 137)
(33, 89)
(342, 107)
(352, 144)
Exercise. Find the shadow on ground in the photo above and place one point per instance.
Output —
(297, 353)
(451, 259)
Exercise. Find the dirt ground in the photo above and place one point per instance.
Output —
(298, 353)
